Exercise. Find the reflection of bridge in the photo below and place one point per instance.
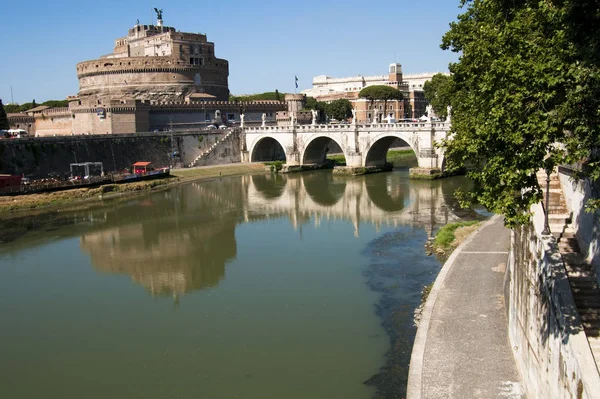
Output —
(362, 145)
(384, 199)
(180, 240)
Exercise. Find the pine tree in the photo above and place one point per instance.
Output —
(3, 118)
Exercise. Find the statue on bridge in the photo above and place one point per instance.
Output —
(449, 113)
(263, 118)
(242, 116)
(315, 113)
(430, 113)
(353, 116)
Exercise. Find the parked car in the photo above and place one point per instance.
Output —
(223, 127)
(211, 127)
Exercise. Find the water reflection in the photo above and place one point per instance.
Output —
(180, 240)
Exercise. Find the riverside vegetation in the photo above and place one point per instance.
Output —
(399, 158)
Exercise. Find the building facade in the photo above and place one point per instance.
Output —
(326, 88)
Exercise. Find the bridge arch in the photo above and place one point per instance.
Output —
(376, 151)
(317, 147)
(267, 148)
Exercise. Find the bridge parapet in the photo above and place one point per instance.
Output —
(363, 145)
(383, 127)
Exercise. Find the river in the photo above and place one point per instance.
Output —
(265, 286)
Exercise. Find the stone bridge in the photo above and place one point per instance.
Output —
(363, 146)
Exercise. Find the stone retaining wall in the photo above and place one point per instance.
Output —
(586, 224)
(39, 156)
(550, 347)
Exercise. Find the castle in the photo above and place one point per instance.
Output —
(159, 78)
(156, 79)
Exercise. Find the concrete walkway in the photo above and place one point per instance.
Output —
(461, 349)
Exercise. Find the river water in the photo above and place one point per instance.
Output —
(265, 286)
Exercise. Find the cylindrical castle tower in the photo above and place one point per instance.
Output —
(156, 63)
(295, 102)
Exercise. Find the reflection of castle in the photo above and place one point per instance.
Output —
(182, 239)
(172, 245)
(175, 263)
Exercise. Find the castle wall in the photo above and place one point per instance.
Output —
(53, 122)
(37, 157)
(152, 78)
(22, 121)
(157, 81)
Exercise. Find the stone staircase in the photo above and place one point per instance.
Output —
(581, 274)
(210, 149)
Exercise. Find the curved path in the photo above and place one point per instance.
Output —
(461, 349)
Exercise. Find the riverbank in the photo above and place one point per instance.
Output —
(461, 349)
(22, 205)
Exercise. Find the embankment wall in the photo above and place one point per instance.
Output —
(586, 224)
(545, 331)
(40, 156)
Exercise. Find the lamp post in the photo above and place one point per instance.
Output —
(546, 230)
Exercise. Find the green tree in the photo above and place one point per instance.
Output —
(339, 109)
(380, 93)
(312, 103)
(270, 95)
(12, 108)
(56, 103)
(527, 79)
(3, 118)
(437, 93)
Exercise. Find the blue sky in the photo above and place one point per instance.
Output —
(267, 42)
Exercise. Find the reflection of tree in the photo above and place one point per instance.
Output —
(387, 191)
(270, 186)
(323, 188)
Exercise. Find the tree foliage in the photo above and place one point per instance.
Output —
(16, 108)
(312, 103)
(269, 95)
(3, 119)
(438, 92)
(380, 92)
(525, 95)
(339, 109)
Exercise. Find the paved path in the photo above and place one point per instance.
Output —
(462, 349)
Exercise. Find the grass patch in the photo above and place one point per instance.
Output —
(445, 237)
(275, 166)
(401, 158)
(338, 159)
(398, 158)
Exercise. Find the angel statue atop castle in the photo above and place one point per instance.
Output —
(158, 13)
